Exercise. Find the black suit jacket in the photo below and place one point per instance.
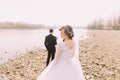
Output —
(50, 42)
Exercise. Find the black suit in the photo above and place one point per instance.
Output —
(50, 42)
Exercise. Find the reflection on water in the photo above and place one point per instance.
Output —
(14, 42)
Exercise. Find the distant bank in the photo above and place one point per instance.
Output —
(20, 25)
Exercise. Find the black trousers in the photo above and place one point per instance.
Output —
(51, 55)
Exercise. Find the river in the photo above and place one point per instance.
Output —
(14, 42)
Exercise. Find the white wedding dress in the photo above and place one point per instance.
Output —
(68, 67)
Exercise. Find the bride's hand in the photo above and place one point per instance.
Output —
(55, 62)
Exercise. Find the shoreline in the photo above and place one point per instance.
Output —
(24, 66)
(21, 41)
(99, 57)
(10, 55)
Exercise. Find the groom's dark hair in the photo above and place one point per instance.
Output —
(50, 30)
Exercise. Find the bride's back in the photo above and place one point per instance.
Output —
(69, 44)
(67, 50)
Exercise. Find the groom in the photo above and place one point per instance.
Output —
(50, 42)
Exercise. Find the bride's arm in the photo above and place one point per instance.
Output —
(57, 54)
(72, 55)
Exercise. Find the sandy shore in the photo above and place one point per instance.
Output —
(99, 56)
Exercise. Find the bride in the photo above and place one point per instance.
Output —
(66, 65)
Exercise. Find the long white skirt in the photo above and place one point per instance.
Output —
(63, 70)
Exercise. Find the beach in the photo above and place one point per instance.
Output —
(99, 57)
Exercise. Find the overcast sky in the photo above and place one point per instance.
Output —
(57, 12)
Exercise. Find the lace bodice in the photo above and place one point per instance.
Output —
(65, 52)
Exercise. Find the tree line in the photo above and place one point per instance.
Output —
(111, 24)
(20, 25)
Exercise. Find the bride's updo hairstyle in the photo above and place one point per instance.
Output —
(68, 31)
